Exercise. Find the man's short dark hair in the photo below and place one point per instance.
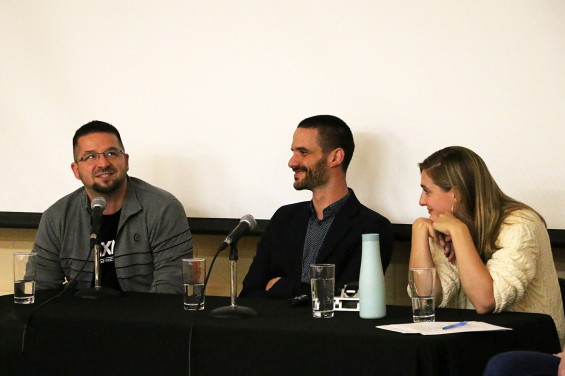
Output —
(333, 133)
(96, 126)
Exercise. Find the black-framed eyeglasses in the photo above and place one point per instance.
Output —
(110, 154)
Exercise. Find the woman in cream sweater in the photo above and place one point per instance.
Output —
(491, 252)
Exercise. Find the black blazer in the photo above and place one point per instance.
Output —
(279, 252)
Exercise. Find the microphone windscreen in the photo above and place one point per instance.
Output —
(98, 202)
(249, 219)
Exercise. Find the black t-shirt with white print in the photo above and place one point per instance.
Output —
(106, 237)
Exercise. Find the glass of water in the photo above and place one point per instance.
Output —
(194, 276)
(322, 279)
(421, 284)
(24, 277)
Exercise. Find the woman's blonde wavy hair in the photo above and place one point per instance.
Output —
(482, 201)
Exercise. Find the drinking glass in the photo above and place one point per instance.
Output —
(323, 287)
(421, 284)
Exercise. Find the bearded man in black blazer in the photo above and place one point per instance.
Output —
(326, 229)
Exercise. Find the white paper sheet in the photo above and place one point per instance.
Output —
(436, 328)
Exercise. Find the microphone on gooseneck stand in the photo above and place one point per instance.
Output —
(246, 224)
(97, 207)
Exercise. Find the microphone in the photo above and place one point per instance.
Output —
(247, 223)
(97, 205)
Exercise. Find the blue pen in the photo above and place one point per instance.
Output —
(456, 325)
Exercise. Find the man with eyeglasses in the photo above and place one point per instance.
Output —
(144, 231)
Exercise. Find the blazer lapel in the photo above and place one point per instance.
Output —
(299, 226)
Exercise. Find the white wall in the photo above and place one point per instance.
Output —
(207, 94)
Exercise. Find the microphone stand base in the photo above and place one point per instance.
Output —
(233, 312)
(98, 292)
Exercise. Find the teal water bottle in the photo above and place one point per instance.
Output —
(372, 296)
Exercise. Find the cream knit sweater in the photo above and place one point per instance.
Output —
(523, 272)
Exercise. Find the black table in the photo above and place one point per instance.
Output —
(148, 334)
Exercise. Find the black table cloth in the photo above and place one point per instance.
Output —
(151, 334)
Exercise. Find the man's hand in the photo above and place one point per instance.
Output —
(271, 283)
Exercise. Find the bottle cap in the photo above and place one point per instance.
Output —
(370, 237)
